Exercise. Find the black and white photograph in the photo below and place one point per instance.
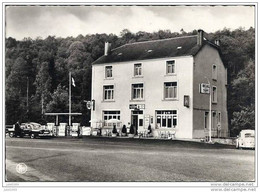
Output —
(129, 94)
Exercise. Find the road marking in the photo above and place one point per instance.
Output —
(30, 175)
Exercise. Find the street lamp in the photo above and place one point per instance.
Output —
(209, 110)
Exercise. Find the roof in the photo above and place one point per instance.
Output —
(172, 47)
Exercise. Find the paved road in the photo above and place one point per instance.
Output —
(110, 159)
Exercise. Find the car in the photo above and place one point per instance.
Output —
(30, 129)
(246, 139)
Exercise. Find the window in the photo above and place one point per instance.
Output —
(214, 72)
(108, 72)
(170, 67)
(166, 119)
(138, 69)
(247, 135)
(206, 120)
(137, 91)
(214, 120)
(214, 94)
(107, 115)
(170, 90)
(141, 122)
(219, 117)
(108, 92)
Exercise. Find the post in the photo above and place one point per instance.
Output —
(209, 110)
(69, 98)
(210, 113)
(27, 99)
(57, 120)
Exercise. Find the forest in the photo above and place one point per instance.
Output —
(37, 73)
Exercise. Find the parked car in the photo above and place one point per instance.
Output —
(30, 129)
(246, 139)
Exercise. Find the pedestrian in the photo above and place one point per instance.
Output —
(17, 129)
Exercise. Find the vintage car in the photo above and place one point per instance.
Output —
(246, 139)
(30, 129)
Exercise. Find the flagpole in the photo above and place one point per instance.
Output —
(70, 99)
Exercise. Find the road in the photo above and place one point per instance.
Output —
(114, 159)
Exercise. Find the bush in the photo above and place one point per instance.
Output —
(114, 130)
(132, 130)
(124, 129)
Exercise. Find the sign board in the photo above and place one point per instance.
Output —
(204, 88)
(186, 101)
(89, 104)
(136, 106)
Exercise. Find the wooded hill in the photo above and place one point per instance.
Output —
(44, 65)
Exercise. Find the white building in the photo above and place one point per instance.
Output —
(159, 83)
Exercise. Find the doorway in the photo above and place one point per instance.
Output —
(137, 120)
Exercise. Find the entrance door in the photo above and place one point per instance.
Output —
(137, 120)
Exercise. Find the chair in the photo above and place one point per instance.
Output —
(141, 132)
(163, 134)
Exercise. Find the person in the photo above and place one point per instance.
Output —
(17, 129)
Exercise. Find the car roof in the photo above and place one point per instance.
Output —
(247, 131)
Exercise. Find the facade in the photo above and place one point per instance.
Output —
(159, 83)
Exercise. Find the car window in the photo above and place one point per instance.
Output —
(249, 135)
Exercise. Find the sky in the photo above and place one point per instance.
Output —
(64, 21)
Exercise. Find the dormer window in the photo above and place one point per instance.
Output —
(138, 69)
(108, 72)
(170, 67)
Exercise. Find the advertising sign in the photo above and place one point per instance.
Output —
(204, 88)
(136, 106)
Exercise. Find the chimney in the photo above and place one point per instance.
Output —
(107, 48)
(217, 42)
(200, 37)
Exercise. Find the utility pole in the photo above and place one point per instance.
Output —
(209, 110)
(69, 98)
(27, 99)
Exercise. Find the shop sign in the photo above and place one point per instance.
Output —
(136, 106)
(204, 88)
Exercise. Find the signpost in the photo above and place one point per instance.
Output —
(205, 88)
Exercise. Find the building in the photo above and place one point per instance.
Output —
(162, 83)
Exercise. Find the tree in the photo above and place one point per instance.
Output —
(59, 101)
(43, 85)
(243, 98)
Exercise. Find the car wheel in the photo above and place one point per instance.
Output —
(32, 136)
(11, 134)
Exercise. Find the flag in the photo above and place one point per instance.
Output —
(73, 82)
